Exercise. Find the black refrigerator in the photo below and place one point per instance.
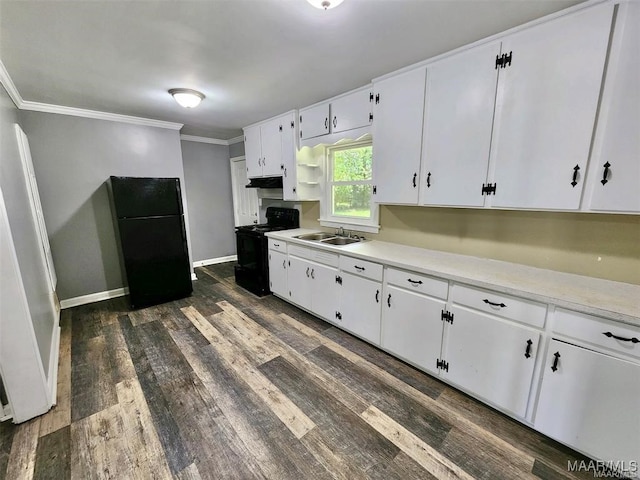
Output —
(150, 224)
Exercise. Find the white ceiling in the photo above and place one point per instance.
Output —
(253, 59)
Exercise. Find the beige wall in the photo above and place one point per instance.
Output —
(597, 245)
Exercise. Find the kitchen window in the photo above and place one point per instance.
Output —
(348, 197)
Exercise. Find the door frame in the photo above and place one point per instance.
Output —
(235, 191)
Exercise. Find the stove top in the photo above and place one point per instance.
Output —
(278, 218)
(261, 228)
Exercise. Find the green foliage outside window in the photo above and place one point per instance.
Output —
(352, 177)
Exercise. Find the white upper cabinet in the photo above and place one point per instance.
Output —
(351, 111)
(546, 104)
(614, 175)
(253, 151)
(314, 121)
(397, 136)
(270, 146)
(460, 100)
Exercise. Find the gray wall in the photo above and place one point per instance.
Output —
(73, 157)
(236, 150)
(207, 175)
(23, 231)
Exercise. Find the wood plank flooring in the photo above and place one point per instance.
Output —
(226, 385)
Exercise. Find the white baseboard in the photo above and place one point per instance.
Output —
(94, 297)
(194, 277)
(213, 261)
(54, 357)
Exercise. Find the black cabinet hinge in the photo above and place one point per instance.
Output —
(339, 279)
(442, 365)
(300, 133)
(447, 316)
(377, 98)
(294, 189)
(300, 118)
(375, 189)
(280, 128)
(338, 315)
(503, 60)
(489, 188)
(370, 96)
(293, 124)
(371, 117)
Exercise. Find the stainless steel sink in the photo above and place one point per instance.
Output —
(340, 241)
(315, 236)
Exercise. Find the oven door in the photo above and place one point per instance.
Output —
(249, 250)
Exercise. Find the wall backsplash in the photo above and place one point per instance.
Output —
(597, 245)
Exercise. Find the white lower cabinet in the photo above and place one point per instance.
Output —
(313, 286)
(412, 326)
(590, 401)
(360, 306)
(491, 357)
(278, 273)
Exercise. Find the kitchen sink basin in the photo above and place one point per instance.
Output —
(315, 236)
(340, 241)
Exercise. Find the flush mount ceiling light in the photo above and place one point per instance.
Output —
(325, 4)
(186, 97)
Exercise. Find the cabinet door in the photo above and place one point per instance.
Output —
(271, 136)
(546, 107)
(314, 121)
(615, 179)
(324, 292)
(360, 306)
(397, 137)
(457, 133)
(289, 170)
(412, 327)
(278, 273)
(591, 402)
(299, 280)
(487, 356)
(351, 111)
(253, 151)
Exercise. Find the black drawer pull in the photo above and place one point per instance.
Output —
(415, 282)
(415, 175)
(488, 302)
(377, 296)
(554, 367)
(605, 174)
(313, 270)
(389, 300)
(360, 269)
(307, 272)
(527, 352)
(622, 339)
(276, 244)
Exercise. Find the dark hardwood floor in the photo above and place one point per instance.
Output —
(226, 385)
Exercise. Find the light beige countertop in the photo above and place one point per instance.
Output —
(614, 300)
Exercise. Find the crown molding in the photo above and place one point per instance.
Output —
(81, 112)
(238, 139)
(194, 138)
(9, 86)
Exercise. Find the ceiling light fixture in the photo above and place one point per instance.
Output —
(325, 4)
(186, 97)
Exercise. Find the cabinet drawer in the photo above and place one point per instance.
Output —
(361, 267)
(417, 283)
(277, 245)
(598, 331)
(506, 306)
(320, 256)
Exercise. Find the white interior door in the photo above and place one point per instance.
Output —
(245, 200)
(36, 206)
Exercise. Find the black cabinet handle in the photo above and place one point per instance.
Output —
(554, 367)
(605, 174)
(282, 166)
(574, 182)
(307, 272)
(527, 352)
(335, 122)
(487, 301)
(360, 269)
(415, 282)
(284, 264)
(276, 244)
(415, 175)
(338, 315)
(622, 339)
(429, 180)
(389, 300)
(312, 270)
(326, 122)
(285, 172)
(377, 296)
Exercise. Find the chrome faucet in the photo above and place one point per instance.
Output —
(340, 231)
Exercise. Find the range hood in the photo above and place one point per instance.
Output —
(265, 182)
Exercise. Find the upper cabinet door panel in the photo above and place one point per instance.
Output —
(271, 147)
(616, 176)
(545, 112)
(314, 121)
(253, 151)
(397, 136)
(458, 120)
(351, 111)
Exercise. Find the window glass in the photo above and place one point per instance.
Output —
(351, 181)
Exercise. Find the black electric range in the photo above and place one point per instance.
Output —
(252, 270)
